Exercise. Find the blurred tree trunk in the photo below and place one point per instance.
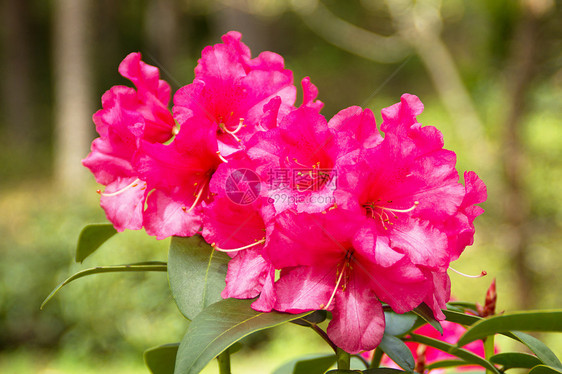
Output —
(73, 91)
(162, 32)
(254, 30)
(17, 78)
(521, 71)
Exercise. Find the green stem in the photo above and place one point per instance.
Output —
(224, 362)
(324, 336)
(343, 359)
(377, 356)
(489, 349)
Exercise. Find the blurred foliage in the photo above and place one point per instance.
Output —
(127, 313)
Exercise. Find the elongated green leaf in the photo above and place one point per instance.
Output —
(314, 366)
(398, 324)
(383, 371)
(455, 351)
(537, 347)
(161, 359)
(343, 372)
(544, 369)
(520, 321)
(91, 238)
(139, 266)
(318, 316)
(218, 326)
(425, 312)
(463, 319)
(196, 273)
(446, 364)
(289, 367)
(462, 304)
(511, 360)
(398, 352)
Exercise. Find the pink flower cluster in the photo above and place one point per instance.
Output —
(315, 214)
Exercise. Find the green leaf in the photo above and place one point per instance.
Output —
(196, 273)
(462, 305)
(139, 266)
(520, 321)
(544, 369)
(539, 348)
(446, 364)
(511, 360)
(398, 324)
(91, 238)
(383, 371)
(398, 352)
(161, 359)
(220, 325)
(316, 317)
(339, 371)
(315, 366)
(425, 312)
(454, 350)
(289, 366)
(461, 318)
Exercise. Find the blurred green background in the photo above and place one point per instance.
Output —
(488, 71)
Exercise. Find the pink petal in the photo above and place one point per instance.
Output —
(266, 302)
(304, 288)
(358, 319)
(423, 244)
(125, 209)
(168, 215)
(355, 128)
(246, 275)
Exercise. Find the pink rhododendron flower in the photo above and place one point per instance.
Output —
(328, 263)
(351, 219)
(128, 118)
(408, 188)
(230, 91)
(157, 175)
(299, 160)
(237, 226)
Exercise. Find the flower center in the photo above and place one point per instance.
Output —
(309, 178)
(225, 129)
(383, 213)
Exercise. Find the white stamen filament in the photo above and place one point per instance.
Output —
(233, 132)
(335, 288)
(216, 247)
(416, 203)
(133, 184)
(222, 158)
(198, 197)
(482, 274)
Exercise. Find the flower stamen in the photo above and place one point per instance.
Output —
(482, 274)
(197, 197)
(345, 265)
(133, 184)
(216, 247)
(223, 127)
(222, 158)
(382, 212)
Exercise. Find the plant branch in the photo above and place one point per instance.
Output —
(224, 362)
(343, 359)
